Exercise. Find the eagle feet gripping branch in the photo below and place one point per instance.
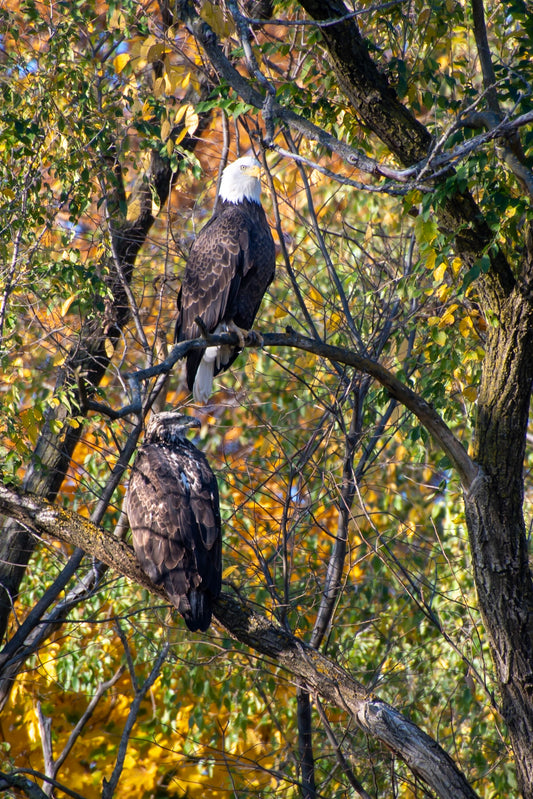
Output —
(230, 266)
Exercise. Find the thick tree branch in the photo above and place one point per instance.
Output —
(317, 673)
(512, 149)
(373, 99)
(207, 39)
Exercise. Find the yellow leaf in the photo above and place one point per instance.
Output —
(165, 130)
(159, 86)
(31, 419)
(456, 266)
(447, 320)
(280, 311)
(470, 392)
(117, 21)
(189, 117)
(218, 19)
(466, 326)
(66, 305)
(431, 257)
(433, 320)
(120, 61)
(109, 348)
(148, 111)
(440, 270)
(149, 42)
(173, 77)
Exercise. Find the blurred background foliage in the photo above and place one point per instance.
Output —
(365, 270)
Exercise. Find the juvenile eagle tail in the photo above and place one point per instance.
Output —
(196, 610)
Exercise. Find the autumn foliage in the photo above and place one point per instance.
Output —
(344, 517)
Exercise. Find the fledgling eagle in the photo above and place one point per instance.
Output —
(173, 509)
(230, 266)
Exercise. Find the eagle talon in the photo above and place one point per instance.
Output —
(242, 334)
(203, 329)
(254, 339)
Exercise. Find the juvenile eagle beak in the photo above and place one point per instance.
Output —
(191, 421)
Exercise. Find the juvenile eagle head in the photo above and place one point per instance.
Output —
(169, 426)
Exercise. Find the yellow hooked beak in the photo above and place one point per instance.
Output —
(253, 171)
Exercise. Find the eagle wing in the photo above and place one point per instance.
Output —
(173, 510)
(218, 260)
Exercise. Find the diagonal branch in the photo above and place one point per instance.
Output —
(317, 673)
(109, 786)
(424, 411)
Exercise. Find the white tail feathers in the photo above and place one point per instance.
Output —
(203, 382)
(212, 357)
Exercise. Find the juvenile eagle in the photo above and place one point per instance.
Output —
(230, 266)
(173, 510)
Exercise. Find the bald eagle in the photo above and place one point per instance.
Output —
(173, 510)
(230, 266)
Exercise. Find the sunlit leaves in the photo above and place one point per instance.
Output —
(86, 87)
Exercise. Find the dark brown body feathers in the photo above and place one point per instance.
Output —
(173, 509)
(230, 266)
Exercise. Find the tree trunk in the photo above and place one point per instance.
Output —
(494, 513)
(494, 500)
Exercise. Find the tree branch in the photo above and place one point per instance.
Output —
(110, 786)
(425, 413)
(316, 673)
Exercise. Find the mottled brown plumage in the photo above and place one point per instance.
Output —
(230, 266)
(173, 509)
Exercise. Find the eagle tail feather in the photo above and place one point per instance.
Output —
(203, 382)
(198, 612)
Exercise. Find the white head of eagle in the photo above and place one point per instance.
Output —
(241, 181)
(173, 509)
(230, 266)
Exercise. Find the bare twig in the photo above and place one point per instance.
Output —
(352, 779)
(45, 731)
(101, 689)
(110, 785)
(31, 789)
(305, 744)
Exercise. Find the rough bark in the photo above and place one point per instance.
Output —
(494, 511)
(319, 675)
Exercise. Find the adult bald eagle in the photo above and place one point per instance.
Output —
(173, 509)
(230, 266)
